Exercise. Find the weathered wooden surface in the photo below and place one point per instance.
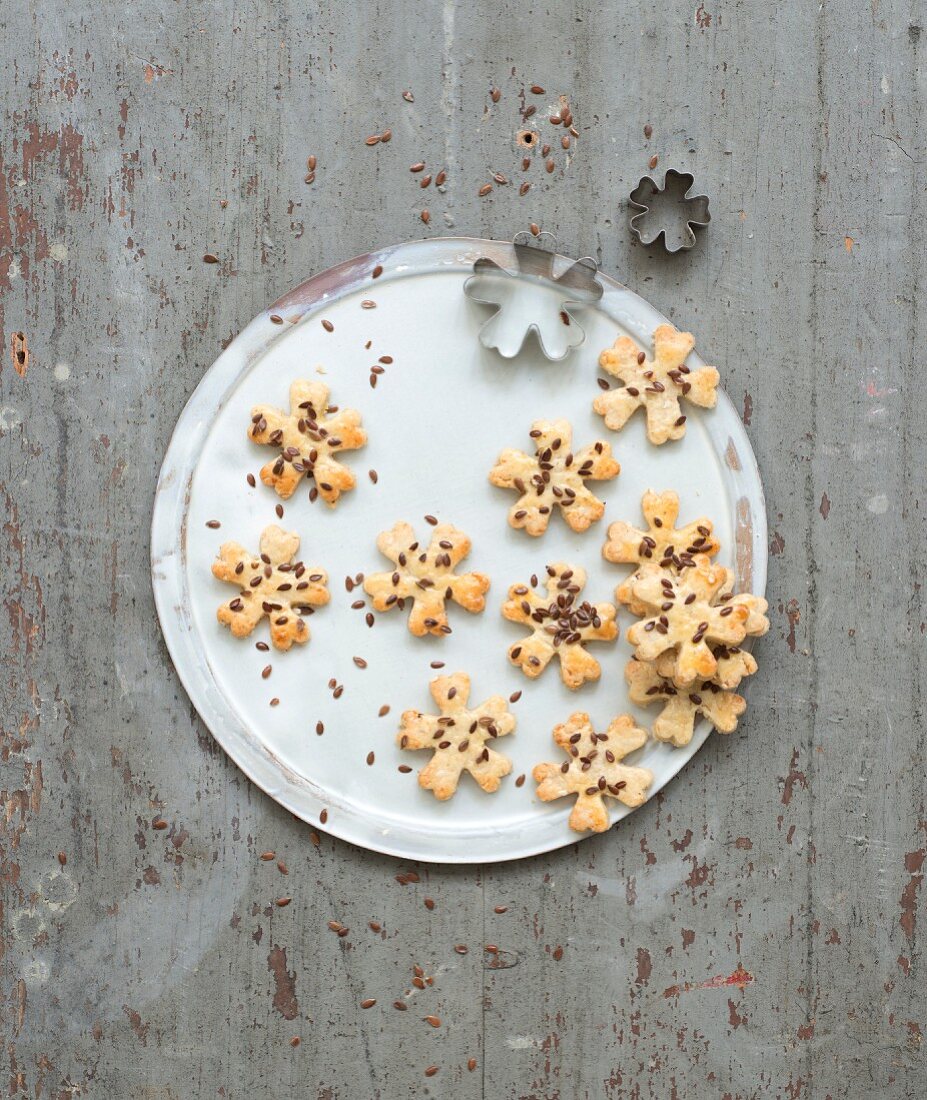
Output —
(756, 930)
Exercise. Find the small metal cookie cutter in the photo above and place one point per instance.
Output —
(669, 211)
(532, 298)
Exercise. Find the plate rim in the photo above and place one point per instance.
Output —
(295, 792)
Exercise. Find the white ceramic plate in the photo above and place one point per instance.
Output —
(436, 422)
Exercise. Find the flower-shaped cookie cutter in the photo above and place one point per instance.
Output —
(669, 211)
(533, 299)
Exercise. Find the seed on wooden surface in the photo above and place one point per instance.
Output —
(328, 326)
(440, 178)
(374, 139)
(266, 671)
(369, 1002)
(536, 89)
(374, 925)
(295, 1041)
(501, 909)
(535, 229)
(209, 258)
(495, 95)
(550, 166)
(565, 142)
(62, 858)
(387, 135)
(408, 97)
(159, 823)
(370, 758)
(431, 1071)
(654, 160)
(283, 902)
(424, 182)
(267, 856)
(484, 190)
(311, 162)
(471, 1064)
(425, 216)
(383, 711)
(419, 166)
(434, 1021)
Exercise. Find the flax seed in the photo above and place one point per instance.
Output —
(374, 139)
(387, 135)
(425, 216)
(283, 902)
(524, 189)
(328, 326)
(484, 190)
(549, 166)
(441, 178)
(369, 1002)
(209, 258)
(435, 1021)
(419, 166)
(501, 909)
(213, 524)
(652, 163)
(648, 131)
(495, 95)
(408, 97)
(424, 182)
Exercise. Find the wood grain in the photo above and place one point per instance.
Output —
(753, 931)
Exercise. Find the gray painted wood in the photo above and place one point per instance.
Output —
(754, 931)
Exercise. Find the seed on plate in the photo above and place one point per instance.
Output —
(339, 691)
(555, 120)
(374, 477)
(431, 520)
(319, 728)
(515, 696)
(360, 662)
(328, 326)
(520, 781)
(383, 711)
(377, 272)
(368, 304)
(251, 480)
(405, 769)
(279, 510)
(370, 758)
(323, 816)
(437, 664)
(369, 618)
(265, 671)
(275, 702)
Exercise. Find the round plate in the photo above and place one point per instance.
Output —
(436, 421)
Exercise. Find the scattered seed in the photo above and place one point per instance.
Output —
(429, 903)
(520, 781)
(529, 111)
(435, 1021)
(370, 758)
(555, 120)
(209, 258)
(213, 523)
(374, 477)
(431, 520)
(266, 671)
(360, 662)
(315, 838)
(431, 1071)
(549, 166)
(408, 97)
(545, 151)
(400, 1006)
(368, 304)
(159, 823)
(500, 179)
(268, 856)
(377, 272)
(369, 1003)
(515, 696)
(441, 178)
(309, 177)
(251, 480)
(491, 949)
(311, 162)
(524, 189)
(374, 925)
(282, 903)
(652, 163)
(369, 619)
(339, 691)
(319, 728)
(535, 229)
(648, 131)
(484, 190)
(565, 142)
(419, 166)
(276, 319)
(495, 95)
(323, 816)
(558, 953)
(328, 326)
(295, 1041)
(425, 180)
(374, 139)
(386, 135)
(335, 926)
(437, 664)
(425, 216)
(404, 768)
(501, 909)
(383, 711)
(279, 510)
(471, 1064)
(275, 702)
(62, 858)
(461, 949)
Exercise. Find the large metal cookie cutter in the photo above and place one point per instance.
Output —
(669, 211)
(533, 299)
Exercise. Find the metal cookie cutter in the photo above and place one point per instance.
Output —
(533, 299)
(668, 210)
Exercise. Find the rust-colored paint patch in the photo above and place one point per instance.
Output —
(285, 1001)
(644, 966)
(748, 409)
(140, 1029)
(19, 350)
(793, 614)
(776, 544)
(825, 506)
(793, 779)
(913, 864)
(702, 18)
(740, 978)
